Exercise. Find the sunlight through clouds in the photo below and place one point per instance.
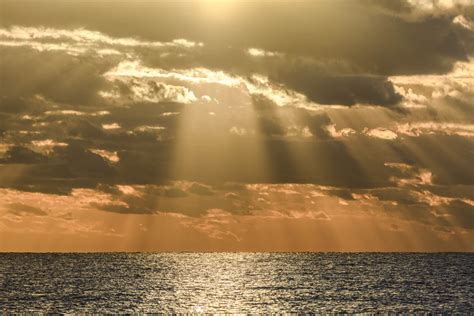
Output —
(208, 126)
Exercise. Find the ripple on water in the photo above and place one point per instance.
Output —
(237, 282)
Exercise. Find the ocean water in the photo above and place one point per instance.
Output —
(237, 282)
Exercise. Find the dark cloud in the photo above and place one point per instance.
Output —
(331, 63)
(328, 162)
(171, 197)
(14, 105)
(403, 203)
(74, 161)
(326, 88)
(378, 41)
(146, 165)
(460, 214)
(326, 82)
(85, 129)
(63, 169)
(55, 75)
(22, 155)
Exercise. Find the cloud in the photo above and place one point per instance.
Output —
(200, 189)
(421, 8)
(325, 29)
(109, 155)
(318, 112)
(111, 126)
(382, 133)
(288, 121)
(287, 81)
(420, 128)
(23, 209)
(462, 21)
(56, 76)
(297, 201)
(79, 40)
(134, 69)
(408, 174)
(18, 154)
(168, 198)
(431, 6)
(46, 145)
(323, 87)
(461, 214)
(256, 52)
(423, 90)
(149, 91)
(63, 169)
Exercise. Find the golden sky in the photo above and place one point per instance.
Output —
(237, 125)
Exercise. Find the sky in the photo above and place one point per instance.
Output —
(225, 125)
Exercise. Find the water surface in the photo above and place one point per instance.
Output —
(237, 282)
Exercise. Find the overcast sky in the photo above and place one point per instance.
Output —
(226, 125)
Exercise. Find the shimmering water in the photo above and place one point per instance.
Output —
(240, 282)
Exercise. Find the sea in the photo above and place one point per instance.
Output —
(237, 283)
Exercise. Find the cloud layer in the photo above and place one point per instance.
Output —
(221, 118)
